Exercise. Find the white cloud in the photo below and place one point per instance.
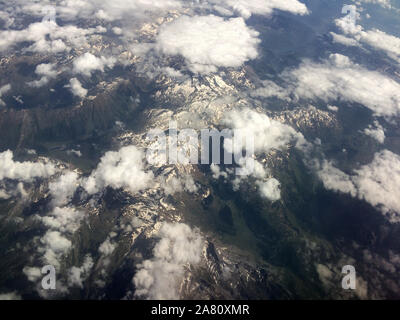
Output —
(87, 63)
(217, 173)
(9, 296)
(268, 134)
(4, 89)
(132, 224)
(47, 72)
(377, 39)
(60, 222)
(117, 9)
(47, 37)
(335, 179)
(55, 245)
(383, 41)
(270, 189)
(7, 19)
(338, 78)
(107, 247)
(107, 10)
(384, 3)
(377, 183)
(77, 153)
(209, 42)
(377, 132)
(117, 31)
(262, 7)
(333, 108)
(158, 278)
(172, 184)
(63, 188)
(23, 171)
(32, 273)
(121, 169)
(270, 89)
(77, 89)
(140, 9)
(4, 195)
(338, 38)
(65, 220)
(325, 275)
(76, 276)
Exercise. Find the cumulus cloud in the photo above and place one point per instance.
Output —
(270, 89)
(270, 189)
(341, 39)
(376, 131)
(115, 10)
(172, 184)
(87, 63)
(46, 37)
(377, 183)
(377, 39)
(338, 78)
(117, 31)
(9, 296)
(4, 89)
(107, 247)
(267, 134)
(65, 220)
(120, 169)
(54, 246)
(217, 173)
(77, 275)
(333, 108)
(46, 72)
(126, 169)
(380, 40)
(77, 89)
(107, 10)
(335, 179)
(140, 9)
(158, 278)
(384, 3)
(61, 224)
(76, 153)
(32, 273)
(63, 188)
(4, 194)
(262, 7)
(23, 171)
(209, 42)
(6, 19)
